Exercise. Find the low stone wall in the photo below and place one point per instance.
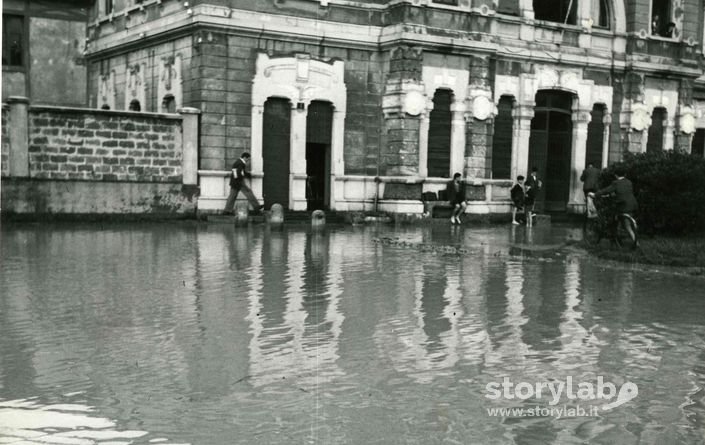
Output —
(54, 197)
(69, 143)
(59, 160)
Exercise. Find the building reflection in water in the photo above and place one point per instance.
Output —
(510, 352)
(296, 327)
(422, 338)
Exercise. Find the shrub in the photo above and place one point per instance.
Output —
(670, 189)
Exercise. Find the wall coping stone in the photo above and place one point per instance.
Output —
(188, 110)
(17, 99)
(123, 113)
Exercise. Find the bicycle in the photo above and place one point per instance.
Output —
(602, 220)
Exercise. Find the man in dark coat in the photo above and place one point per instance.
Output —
(237, 183)
(590, 178)
(623, 192)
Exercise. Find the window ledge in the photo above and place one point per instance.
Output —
(664, 39)
(124, 12)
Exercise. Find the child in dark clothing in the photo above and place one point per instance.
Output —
(518, 198)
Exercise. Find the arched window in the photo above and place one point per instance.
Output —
(654, 143)
(135, 105)
(502, 139)
(561, 11)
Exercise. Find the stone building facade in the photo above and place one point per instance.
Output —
(42, 51)
(368, 104)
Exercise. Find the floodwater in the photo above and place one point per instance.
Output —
(195, 334)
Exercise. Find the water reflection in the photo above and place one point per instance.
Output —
(29, 422)
(294, 314)
(218, 335)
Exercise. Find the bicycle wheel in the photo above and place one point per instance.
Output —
(592, 233)
(623, 239)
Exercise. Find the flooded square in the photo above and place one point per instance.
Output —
(196, 334)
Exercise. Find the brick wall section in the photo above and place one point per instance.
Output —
(5, 151)
(68, 143)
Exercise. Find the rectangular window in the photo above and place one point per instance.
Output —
(560, 11)
(600, 14)
(12, 40)
(108, 7)
(509, 7)
(447, 2)
(661, 21)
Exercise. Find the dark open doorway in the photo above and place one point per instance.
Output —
(550, 146)
(276, 128)
(439, 135)
(319, 125)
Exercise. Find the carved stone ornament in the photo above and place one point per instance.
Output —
(640, 118)
(482, 107)
(687, 121)
(414, 103)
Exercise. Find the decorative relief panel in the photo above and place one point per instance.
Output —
(106, 91)
(135, 88)
(170, 83)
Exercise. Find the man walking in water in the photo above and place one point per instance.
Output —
(237, 183)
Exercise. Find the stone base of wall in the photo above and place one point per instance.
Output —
(53, 197)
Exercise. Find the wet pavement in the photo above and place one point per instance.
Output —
(188, 333)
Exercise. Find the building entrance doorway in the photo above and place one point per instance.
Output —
(276, 131)
(319, 126)
(550, 146)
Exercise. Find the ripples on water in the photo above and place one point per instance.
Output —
(210, 335)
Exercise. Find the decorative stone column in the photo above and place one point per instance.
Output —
(424, 126)
(686, 128)
(635, 118)
(297, 161)
(523, 114)
(189, 143)
(607, 121)
(635, 122)
(685, 117)
(337, 165)
(481, 110)
(581, 119)
(18, 134)
(402, 103)
(457, 137)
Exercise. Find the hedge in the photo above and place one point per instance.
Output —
(670, 189)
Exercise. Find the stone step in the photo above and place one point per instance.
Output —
(289, 217)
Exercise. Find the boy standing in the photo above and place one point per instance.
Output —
(517, 194)
(456, 197)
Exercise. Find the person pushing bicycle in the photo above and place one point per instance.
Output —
(627, 205)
